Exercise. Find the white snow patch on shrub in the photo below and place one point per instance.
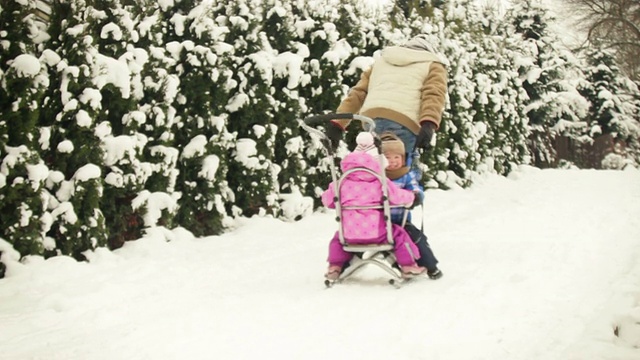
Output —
(26, 65)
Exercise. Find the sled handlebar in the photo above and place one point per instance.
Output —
(310, 122)
(316, 120)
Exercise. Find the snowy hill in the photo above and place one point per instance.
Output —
(541, 265)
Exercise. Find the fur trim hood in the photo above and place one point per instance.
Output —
(402, 56)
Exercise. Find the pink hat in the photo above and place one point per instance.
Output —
(365, 144)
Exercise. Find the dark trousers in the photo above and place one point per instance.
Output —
(427, 258)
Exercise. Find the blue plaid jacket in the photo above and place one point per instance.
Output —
(408, 181)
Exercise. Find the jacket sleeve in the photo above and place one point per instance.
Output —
(434, 92)
(354, 100)
(412, 184)
(398, 196)
(327, 197)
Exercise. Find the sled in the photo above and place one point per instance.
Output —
(379, 255)
(382, 257)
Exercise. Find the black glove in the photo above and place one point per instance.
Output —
(334, 133)
(417, 201)
(423, 140)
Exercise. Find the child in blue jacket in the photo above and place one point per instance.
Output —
(406, 178)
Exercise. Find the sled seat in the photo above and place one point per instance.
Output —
(361, 248)
(367, 248)
(380, 255)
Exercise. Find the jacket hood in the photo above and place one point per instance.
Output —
(360, 159)
(402, 56)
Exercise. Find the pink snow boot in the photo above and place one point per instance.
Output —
(412, 270)
(333, 272)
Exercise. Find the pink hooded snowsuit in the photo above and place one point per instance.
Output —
(367, 226)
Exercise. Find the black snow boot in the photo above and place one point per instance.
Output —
(434, 274)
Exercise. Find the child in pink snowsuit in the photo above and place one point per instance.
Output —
(367, 226)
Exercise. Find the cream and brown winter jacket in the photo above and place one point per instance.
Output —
(403, 85)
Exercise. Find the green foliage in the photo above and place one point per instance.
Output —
(199, 127)
(611, 96)
(74, 151)
(113, 29)
(279, 29)
(453, 155)
(21, 84)
(499, 104)
(325, 85)
(555, 108)
(22, 173)
(277, 23)
(159, 92)
(403, 10)
(21, 200)
(614, 103)
(484, 128)
(252, 172)
(80, 224)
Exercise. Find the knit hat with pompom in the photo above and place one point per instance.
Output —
(365, 144)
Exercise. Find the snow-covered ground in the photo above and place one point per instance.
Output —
(540, 265)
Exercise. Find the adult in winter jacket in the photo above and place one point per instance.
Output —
(367, 226)
(404, 91)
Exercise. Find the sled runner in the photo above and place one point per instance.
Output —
(380, 255)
